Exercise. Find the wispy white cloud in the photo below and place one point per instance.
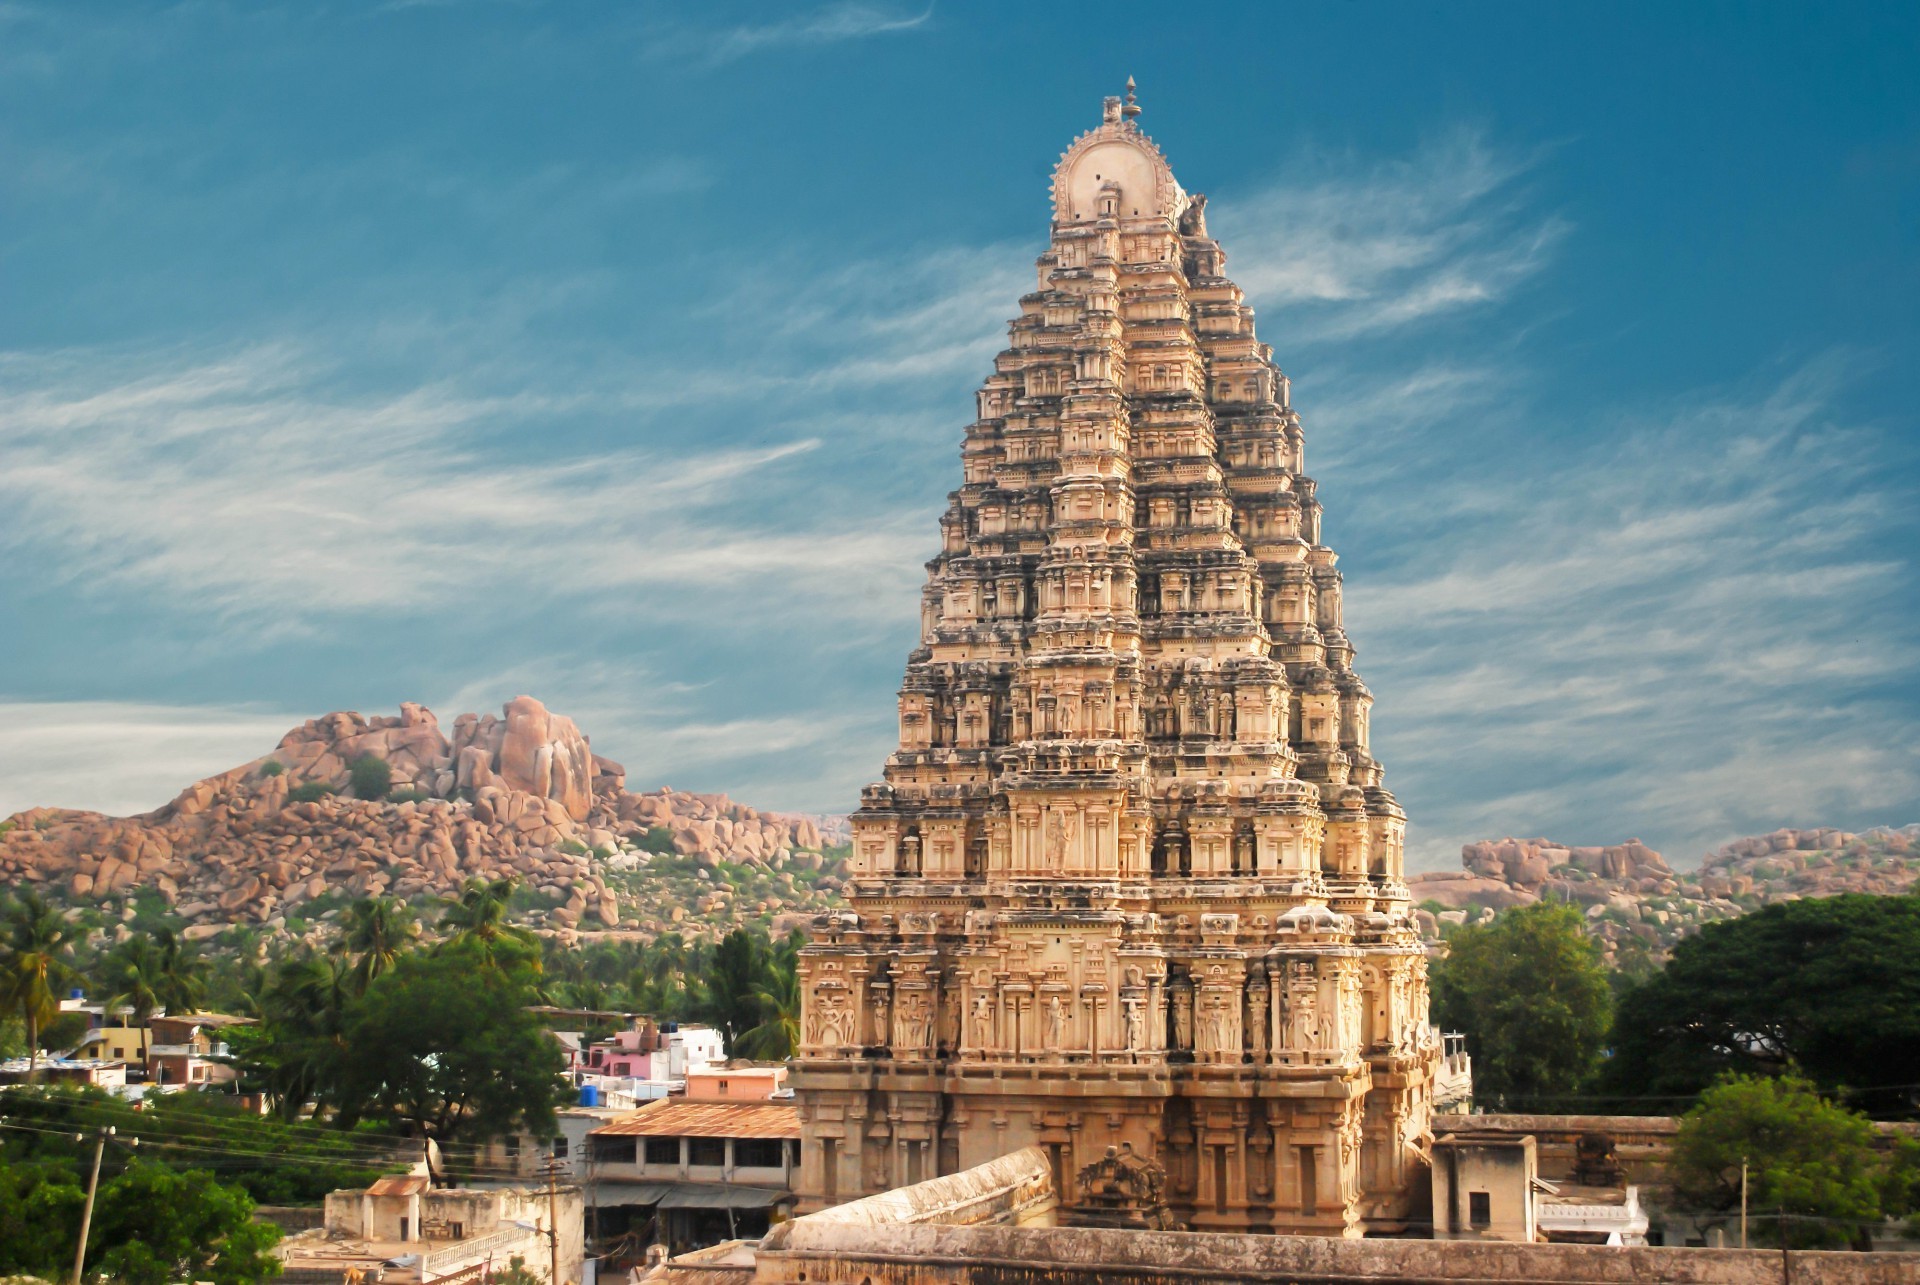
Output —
(123, 757)
(1363, 251)
(830, 25)
(1679, 633)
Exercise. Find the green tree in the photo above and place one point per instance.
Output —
(778, 996)
(1530, 994)
(156, 1226)
(130, 972)
(378, 930)
(1829, 987)
(35, 949)
(735, 978)
(371, 777)
(443, 1045)
(39, 1216)
(477, 920)
(1805, 1156)
(295, 1053)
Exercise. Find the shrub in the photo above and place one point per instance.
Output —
(272, 767)
(656, 839)
(311, 792)
(371, 777)
(408, 796)
(573, 847)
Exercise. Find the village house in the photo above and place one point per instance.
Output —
(692, 1171)
(402, 1231)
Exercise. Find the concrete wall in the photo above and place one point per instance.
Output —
(822, 1252)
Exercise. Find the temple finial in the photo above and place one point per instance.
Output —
(1132, 108)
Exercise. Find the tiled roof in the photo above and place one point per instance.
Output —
(679, 1118)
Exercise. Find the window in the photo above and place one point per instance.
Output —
(513, 1146)
(614, 1151)
(663, 1151)
(707, 1151)
(1479, 1209)
(761, 1153)
(560, 1147)
(723, 1088)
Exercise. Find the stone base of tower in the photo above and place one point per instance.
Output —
(1301, 1151)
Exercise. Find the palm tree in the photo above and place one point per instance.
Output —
(131, 973)
(296, 1051)
(182, 973)
(778, 1034)
(478, 918)
(378, 930)
(34, 949)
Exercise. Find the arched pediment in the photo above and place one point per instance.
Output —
(1115, 155)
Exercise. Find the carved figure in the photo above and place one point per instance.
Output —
(1136, 1026)
(1055, 1030)
(982, 1022)
(1183, 1019)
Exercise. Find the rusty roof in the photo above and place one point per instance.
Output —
(680, 1118)
(410, 1184)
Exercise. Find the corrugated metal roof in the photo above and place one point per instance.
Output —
(679, 1118)
(411, 1184)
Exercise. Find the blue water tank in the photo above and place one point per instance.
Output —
(589, 1095)
(76, 993)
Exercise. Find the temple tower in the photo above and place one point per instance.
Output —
(1132, 876)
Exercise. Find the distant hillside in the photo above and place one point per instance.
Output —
(1630, 894)
(282, 842)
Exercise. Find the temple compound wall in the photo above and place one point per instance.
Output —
(1132, 875)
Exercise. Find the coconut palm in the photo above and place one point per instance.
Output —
(478, 918)
(778, 1034)
(35, 944)
(378, 931)
(181, 981)
(131, 973)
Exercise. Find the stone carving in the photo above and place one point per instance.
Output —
(1054, 1035)
(911, 1024)
(1133, 681)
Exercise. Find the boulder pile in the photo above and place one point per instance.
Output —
(518, 795)
(1633, 899)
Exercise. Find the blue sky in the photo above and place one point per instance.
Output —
(619, 354)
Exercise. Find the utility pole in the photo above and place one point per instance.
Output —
(553, 1226)
(86, 1212)
(1743, 1202)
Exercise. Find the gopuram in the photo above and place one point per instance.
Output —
(1132, 879)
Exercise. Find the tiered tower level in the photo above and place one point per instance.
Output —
(1132, 875)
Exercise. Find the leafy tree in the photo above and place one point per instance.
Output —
(1828, 986)
(371, 777)
(443, 1045)
(39, 1216)
(378, 930)
(295, 1054)
(156, 1226)
(1530, 994)
(151, 1226)
(477, 919)
(778, 1034)
(150, 971)
(1805, 1157)
(35, 948)
(734, 980)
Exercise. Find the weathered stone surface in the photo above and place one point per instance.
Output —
(504, 796)
(1134, 823)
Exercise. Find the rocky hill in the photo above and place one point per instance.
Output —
(1630, 894)
(285, 840)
